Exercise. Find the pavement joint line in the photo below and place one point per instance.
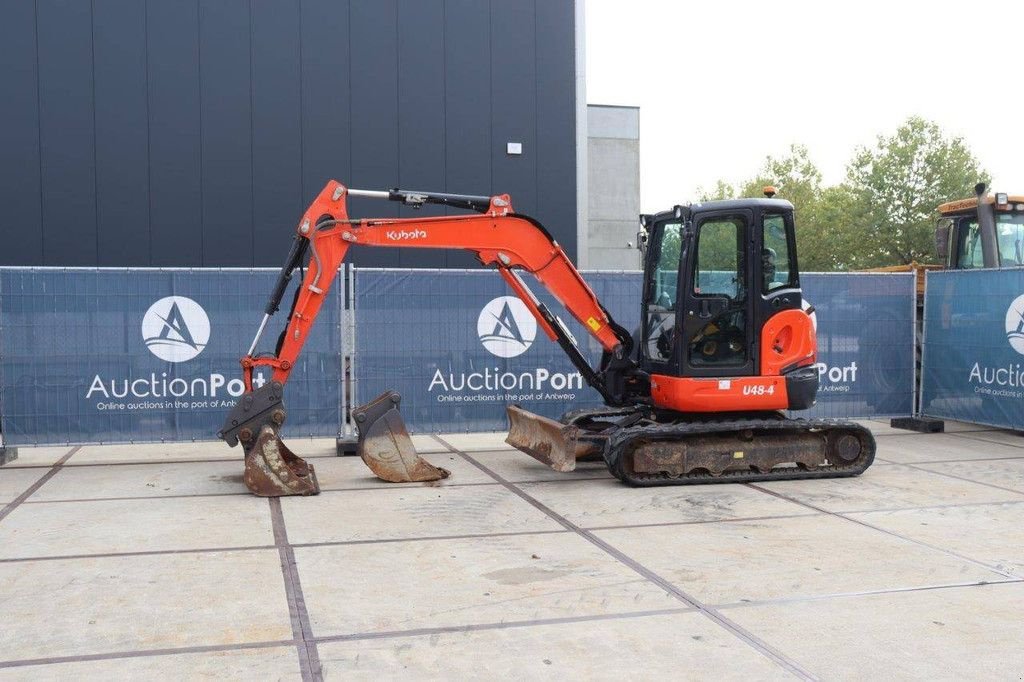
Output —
(426, 538)
(145, 552)
(139, 462)
(302, 629)
(838, 515)
(737, 630)
(143, 462)
(965, 479)
(986, 440)
(887, 434)
(952, 505)
(443, 442)
(250, 548)
(502, 625)
(145, 653)
(11, 506)
(954, 461)
(866, 593)
(130, 498)
(248, 494)
(664, 524)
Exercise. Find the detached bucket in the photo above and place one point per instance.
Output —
(544, 439)
(385, 445)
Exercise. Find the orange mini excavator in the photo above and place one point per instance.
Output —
(695, 395)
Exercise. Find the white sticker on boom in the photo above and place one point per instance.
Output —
(724, 384)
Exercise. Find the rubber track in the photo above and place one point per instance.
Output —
(619, 443)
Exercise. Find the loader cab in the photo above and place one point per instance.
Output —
(987, 232)
(714, 273)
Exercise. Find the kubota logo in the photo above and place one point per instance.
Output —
(1015, 324)
(506, 327)
(175, 329)
(403, 235)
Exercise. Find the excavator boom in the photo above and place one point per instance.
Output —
(499, 238)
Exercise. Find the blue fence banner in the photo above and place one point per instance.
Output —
(866, 327)
(459, 346)
(116, 355)
(973, 362)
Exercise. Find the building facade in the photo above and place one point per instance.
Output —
(613, 187)
(147, 133)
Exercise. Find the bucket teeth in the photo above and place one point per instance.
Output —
(272, 470)
(385, 445)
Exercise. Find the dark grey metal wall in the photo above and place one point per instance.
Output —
(173, 133)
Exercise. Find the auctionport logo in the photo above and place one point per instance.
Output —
(1015, 324)
(506, 327)
(175, 329)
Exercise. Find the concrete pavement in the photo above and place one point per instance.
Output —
(153, 561)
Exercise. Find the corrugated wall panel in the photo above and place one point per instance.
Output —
(276, 128)
(67, 132)
(175, 167)
(193, 132)
(122, 132)
(514, 102)
(556, 121)
(21, 221)
(467, 61)
(374, 87)
(421, 112)
(225, 70)
(326, 96)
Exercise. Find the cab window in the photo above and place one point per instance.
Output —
(720, 292)
(776, 255)
(662, 290)
(719, 267)
(1010, 237)
(971, 254)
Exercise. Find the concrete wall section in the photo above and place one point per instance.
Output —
(150, 133)
(613, 193)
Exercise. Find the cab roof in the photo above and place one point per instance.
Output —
(968, 205)
(727, 205)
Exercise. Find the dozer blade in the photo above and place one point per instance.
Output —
(544, 439)
(272, 470)
(385, 445)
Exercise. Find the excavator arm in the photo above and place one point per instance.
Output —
(498, 237)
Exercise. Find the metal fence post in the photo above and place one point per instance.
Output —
(7, 454)
(347, 440)
(917, 421)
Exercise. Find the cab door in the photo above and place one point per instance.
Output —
(716, 283)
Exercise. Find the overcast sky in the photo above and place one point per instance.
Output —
(720, 85)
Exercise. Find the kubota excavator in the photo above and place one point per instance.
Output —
(696, 395)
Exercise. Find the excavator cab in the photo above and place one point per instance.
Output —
(715, 274)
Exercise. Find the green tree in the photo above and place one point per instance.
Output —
(721, 190)
(797, 179)
(898, 184)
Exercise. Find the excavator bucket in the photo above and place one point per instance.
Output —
(385, 445)
(544, 439)
(272, 470)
